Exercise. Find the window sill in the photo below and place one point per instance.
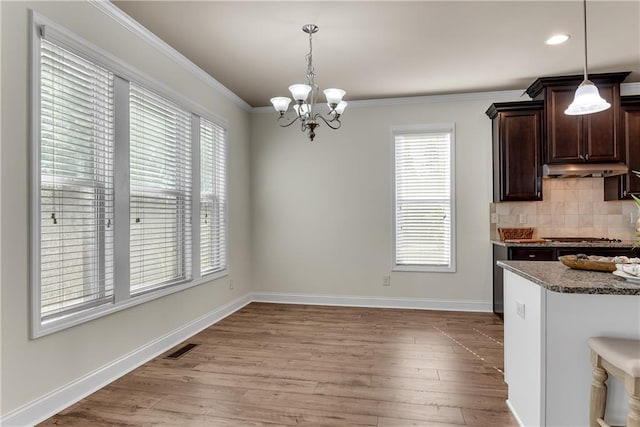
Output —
(423, 269)
(61, 323)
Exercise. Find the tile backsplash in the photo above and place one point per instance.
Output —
(570, 207)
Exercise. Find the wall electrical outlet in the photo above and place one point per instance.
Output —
(522, 218)
(494, 218)
(520, 309)
(231, 285)
(386, 281)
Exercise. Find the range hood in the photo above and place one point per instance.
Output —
(583, 170)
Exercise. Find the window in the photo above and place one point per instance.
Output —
(424, 201)
(213, 195)
(160, 193)
(116, 160)
(76, 182)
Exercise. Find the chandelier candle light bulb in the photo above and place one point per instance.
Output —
(305, 96)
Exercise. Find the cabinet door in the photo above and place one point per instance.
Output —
(600, 130)
(588, 138)
(563, 132)
(499, 254)
(631, 138)
(621, 187)
(520, 162)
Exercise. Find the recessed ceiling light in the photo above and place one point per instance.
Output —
(557, 39)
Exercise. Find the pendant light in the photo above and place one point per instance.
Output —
(587, 99)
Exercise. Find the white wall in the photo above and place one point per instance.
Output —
(32, 368)
(321, 218)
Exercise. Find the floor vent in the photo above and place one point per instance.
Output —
(182, 351)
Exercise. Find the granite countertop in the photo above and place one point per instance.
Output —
(624, 244)
(557, 277)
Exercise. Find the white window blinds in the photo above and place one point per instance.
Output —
(114, 164)
(423, 200)
(160, 192)
(213, 198)
(76, 182)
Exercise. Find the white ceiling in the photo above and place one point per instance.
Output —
(393, 49)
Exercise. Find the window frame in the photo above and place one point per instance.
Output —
(123, 74)
(182, 195)
(215, 198)
(71, 186)
(413, 130)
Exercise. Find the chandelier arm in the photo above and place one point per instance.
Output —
(286, 125)
(333, 114)
(328, 122)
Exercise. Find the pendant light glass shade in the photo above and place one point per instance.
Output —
(300, 92)
(280, 103)
(587, 100)
(334, 96)
(341, 106)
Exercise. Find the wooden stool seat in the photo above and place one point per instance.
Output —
(619, 357)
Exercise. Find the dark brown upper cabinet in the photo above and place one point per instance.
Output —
(622, 186)
(577, 139)
(517, 165)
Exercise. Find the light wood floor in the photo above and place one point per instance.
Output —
(277, 364)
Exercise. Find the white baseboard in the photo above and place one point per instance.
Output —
(63, 397)
(513, 412)
(55, 401)
(375, 302)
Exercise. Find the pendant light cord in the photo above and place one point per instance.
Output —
(584, 9)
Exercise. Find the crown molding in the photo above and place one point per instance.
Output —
(627, 89)
(505, 95)
(133, 26)
(112, 11)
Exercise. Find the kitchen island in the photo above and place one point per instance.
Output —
(550, 311)
(549, 251)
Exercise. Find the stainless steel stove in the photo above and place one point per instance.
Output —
(582, 239)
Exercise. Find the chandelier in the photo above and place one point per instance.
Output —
(305, 97)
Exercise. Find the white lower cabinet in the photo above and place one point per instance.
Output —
(546, 356)
(524, 348)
